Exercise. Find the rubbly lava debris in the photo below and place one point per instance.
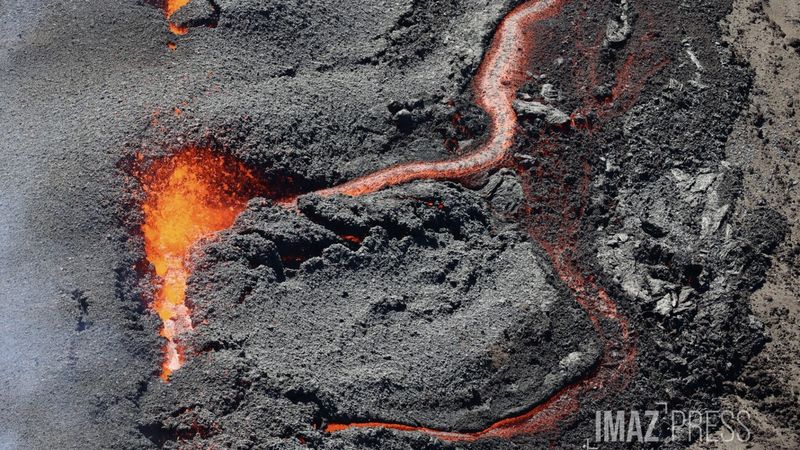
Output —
(448, 272)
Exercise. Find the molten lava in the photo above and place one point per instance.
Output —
(189, 196)
(170, 8)
(499, 77)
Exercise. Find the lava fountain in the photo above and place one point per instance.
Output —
(189, 196)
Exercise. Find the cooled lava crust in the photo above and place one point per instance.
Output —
(397, 225)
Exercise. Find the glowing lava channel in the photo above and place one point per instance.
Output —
(499, 77)
(189, 196)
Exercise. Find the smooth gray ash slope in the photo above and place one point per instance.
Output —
(322, 93)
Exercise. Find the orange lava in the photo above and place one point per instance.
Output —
(170, 8)
(189, 196)
(178, 29)
(499, 77)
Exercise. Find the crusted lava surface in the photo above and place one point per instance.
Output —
(399, 230)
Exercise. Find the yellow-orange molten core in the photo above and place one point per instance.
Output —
(189, 196)
(170, 8)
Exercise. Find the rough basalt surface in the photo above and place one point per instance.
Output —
(446, 318)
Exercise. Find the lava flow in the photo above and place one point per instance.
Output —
(499, 77)
(189, 196)
(188, 199)
(170, 8)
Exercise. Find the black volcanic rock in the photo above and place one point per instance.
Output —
(433, 319)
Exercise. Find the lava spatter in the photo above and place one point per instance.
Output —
(189, 196)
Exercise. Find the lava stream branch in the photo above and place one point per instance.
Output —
(499, 77)
(614, 370)
(189, 196)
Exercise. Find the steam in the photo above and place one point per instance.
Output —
(14, 318)
(29, 343)
(21, 332)
(14, 386)
(8, 441)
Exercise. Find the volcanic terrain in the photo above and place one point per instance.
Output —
(392, 224)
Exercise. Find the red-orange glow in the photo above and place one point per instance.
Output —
(178, 30)
(544, 417)
(499, 77)
(189, 196)
(170, 8)
(353, 239)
